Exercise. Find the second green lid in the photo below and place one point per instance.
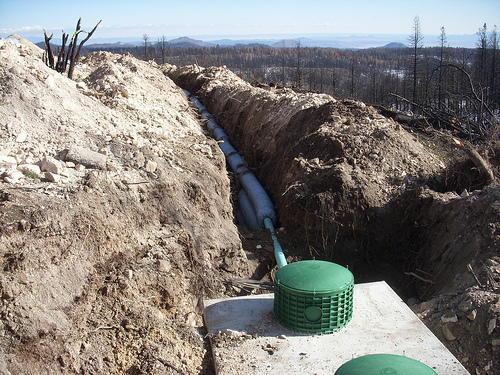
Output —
(384, 364)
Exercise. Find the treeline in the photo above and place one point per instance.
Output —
(455, 88)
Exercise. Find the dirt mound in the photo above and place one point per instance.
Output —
(457, 239)
(448, 232)
(104, 266)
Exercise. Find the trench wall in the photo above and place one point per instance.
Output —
(331, 167)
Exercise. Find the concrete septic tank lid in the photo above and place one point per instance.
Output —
(384, 364)
(381, 323)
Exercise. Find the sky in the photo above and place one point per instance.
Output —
(205, 19)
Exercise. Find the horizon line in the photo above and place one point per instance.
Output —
(322, 37)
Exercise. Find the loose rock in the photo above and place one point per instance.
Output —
(49, 164)
(86, 157)
(472, 315)
(7, 161)
(492, 325)
(22, 136)
(52, 177)
(29, 168)
(151, 166)
(447, 333)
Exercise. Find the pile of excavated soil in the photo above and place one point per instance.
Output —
(115, 219)
(357, 188)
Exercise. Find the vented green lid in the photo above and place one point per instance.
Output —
(314, 276)
(313, 296)
(384, 364)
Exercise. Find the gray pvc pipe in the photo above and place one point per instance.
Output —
(205, 115)
(256, 206)
(247, 211)
(261, 202)
(220, 134)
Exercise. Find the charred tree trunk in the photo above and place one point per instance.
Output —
(48, 50)
(75, 59)
(72, 51)
(71, 55)
(60, 67)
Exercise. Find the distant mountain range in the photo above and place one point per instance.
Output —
(188, 42)
(394, 45)
(286, 43)
(325, 41)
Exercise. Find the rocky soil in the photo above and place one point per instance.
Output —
(116, 216)
(107, 248)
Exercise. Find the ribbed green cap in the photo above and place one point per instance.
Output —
(384, 364)
(313, 296)
(314, 276)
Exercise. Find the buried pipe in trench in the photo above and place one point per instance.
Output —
(313, 296)
(256, 206)
(309, 296)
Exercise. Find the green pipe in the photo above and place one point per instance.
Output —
(278, 251)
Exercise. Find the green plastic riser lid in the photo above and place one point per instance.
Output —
(315, 276)
(384, 364)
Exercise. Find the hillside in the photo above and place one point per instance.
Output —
(105, 262)
(286, 43)
(188, 42)
(117, 217)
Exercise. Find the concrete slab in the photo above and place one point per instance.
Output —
(381, 323)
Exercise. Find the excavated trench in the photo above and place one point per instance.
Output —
(305, 151)
(250, 212)
(349, 185)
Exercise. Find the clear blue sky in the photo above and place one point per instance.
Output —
(196, 18)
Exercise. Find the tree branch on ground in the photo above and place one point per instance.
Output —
(476, 158)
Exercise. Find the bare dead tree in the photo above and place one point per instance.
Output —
(299, 68)
(60, 56)
(48, 50)
(70, 55)
(442, 43)
(145, 37)
(478, 99)
(334, 79)
(352, 78)
(75, 58)
(494, 65)
(482, 55)
(415, 41)
(162, 44)
(72, 46)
